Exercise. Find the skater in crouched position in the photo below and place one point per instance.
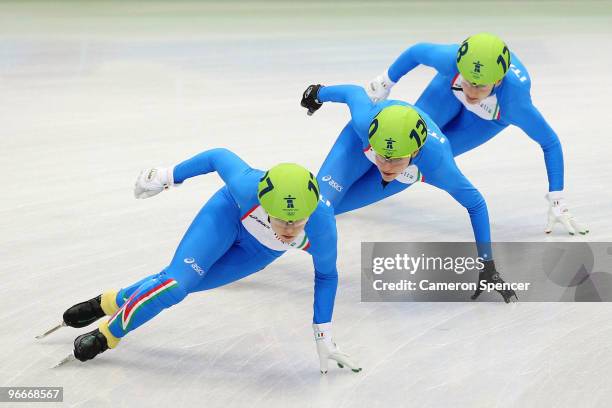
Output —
(387, 147)
(480, 89)
(243, 227)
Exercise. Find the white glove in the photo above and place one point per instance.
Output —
(558, 212)
(328, 350)
(379, 88)
(153, 181)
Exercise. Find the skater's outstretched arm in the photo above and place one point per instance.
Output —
(326, 283)
(323, 236)
(460, 188)
(526, 116)
(438, 56)
(352, 95)
(323, 248)
(227, 164)
(449, 178)
(355, 97)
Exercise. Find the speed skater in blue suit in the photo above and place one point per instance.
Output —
(246, 225)
(385, 148)
(480, 88)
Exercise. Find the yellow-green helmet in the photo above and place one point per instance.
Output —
(289, 192)
(483, 59)
(397, 131)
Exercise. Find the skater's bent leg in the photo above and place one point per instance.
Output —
(124, 294)
(212, 231)
(160, 291)
(154, 295)
(240, 261)
(367, 190)
(211, 234)
(179, 279)
(344, 164)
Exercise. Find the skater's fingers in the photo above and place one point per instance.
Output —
(579, 227)
(476, 293)
(552, 220)
(566, 223)
(323, 363)
(345, 360)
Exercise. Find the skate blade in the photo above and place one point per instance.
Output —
(70, 357)
(51, 330)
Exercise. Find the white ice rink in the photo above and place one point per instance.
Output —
(91, 92)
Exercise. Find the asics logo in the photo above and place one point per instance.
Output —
(333, 183)
(191, 262)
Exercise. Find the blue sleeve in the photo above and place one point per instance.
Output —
(530, 120)
(323, 248)
(450, 179)
(239, 177)
(440, 57)
(357, 100)
(225, 162)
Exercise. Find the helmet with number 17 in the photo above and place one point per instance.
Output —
(288, 192)
(483, 59)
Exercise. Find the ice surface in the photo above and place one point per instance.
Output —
(90, 93)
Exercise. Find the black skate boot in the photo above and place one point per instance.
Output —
(89, 345)
(84, 313)
(490, 275)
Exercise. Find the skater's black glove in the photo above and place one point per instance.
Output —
(490, 275)
(309, 99)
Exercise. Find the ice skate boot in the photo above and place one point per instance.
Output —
(85, 313)
(89, 345)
